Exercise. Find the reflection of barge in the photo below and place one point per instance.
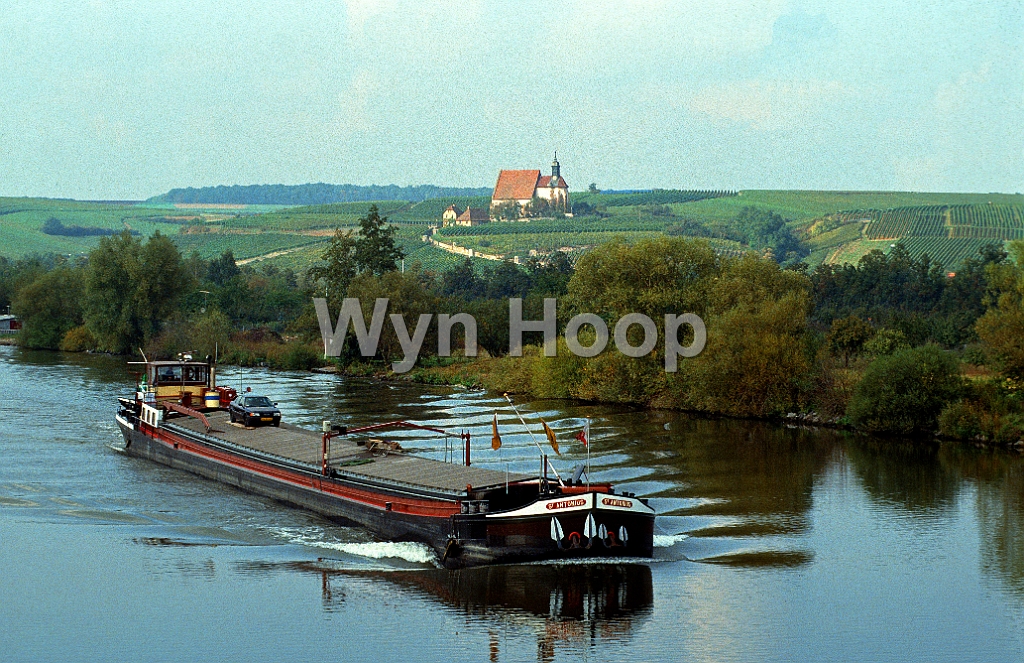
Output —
(469, 515)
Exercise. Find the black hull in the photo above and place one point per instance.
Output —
(388, 524)
(459, 539)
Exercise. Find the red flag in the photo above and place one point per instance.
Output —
(584, 435)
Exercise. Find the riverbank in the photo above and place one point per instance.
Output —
(983, 412)
(515, 375)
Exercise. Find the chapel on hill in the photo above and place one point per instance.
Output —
(522, 186)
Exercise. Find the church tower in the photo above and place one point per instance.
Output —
(556, 170)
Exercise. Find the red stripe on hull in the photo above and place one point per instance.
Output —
(413, 507)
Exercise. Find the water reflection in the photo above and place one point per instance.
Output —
(741, 490)
(999, 485)
(578, 604)
(905, 475)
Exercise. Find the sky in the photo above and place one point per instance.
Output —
(125, 100)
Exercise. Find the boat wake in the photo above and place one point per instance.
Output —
(668, 540)
(417, 553)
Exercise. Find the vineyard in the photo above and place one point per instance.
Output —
(211, 245)
(521, 244)
(987, 216)
(947, 233)
(906, 222)
(836, 226)
(314, 217)
(431, 210)
(652, 197)
(22, 219)
(950, 253)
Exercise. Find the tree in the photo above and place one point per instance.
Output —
(538, 207)
(848, 336)
(550, 277)
(1001, 328)
(222, 269)
(49, 307)
(131, 288)
(886, 342)
(508, 211)
(462, 281)
(906, 391)
(593, 188)
(375, 249)
(767, 231)
(340, 267)
(406, 296)
(507, 280)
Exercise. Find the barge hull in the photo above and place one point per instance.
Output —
(550, 526)
(389, 524)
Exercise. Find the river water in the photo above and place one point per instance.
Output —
(774, 543)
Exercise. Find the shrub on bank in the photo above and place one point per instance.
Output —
(78, 340)
(905, 392)
(989, 411)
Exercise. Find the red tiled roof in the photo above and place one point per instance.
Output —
(545, 181)
(475, 215)
(516, 184)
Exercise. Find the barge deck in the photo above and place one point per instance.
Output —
(348, 458)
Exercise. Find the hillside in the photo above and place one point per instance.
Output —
(833, 227)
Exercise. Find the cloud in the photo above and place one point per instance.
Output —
(770, 105)
(956, 94)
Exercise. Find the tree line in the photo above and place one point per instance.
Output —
(880, 344)
(311, 194)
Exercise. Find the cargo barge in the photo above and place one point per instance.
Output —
(468, 515)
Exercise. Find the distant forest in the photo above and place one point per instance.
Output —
(311, 194)
(54, 226)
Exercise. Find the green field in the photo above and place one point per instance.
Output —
(21, 220)
(834, 226)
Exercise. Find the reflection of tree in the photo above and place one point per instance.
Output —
(762, 472)
(908, 475)
(1000, 489)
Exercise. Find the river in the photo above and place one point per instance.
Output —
(773, 543)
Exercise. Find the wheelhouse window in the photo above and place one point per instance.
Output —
(180, 374)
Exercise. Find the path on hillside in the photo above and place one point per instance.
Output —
(272, 254)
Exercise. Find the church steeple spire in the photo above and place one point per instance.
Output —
(556, 169)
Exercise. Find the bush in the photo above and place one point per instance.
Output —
(886, 342)
(294, 357)
(960, 420)
(77, 340)
(906, 391)
(990, 411)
